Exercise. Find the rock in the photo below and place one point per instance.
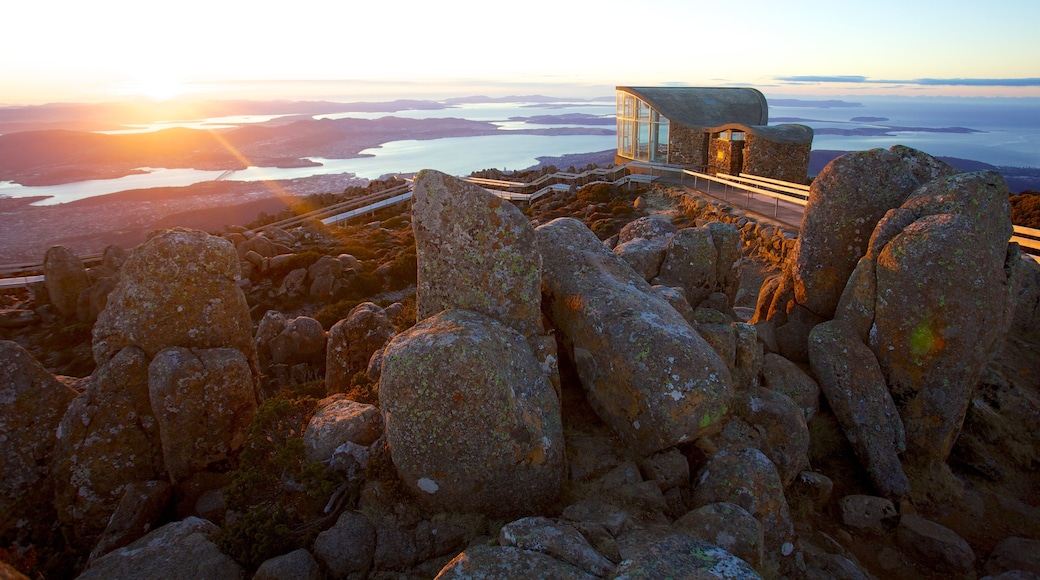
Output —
(271, 325)
(177, 289)
(66, 279)
(203, 402)
(32, 403)
(293, 283)
(347, 549)
(783, 376)
(677, 300)
(177, 550)
(846, 201)
(325, 276)
(556, 539)
(748, 479)
(351, 343)
(690, 263)
(651, 227)
(99, 295)
(936, 546)
(812, 488)
(258, 244)
(302, 341)
(17, 318)
(679, 556)
(1014, 554)
(298, 564)
(728, 260)
(643, 255)
(508, 562)
(472, 421)
(339, 420)
(8, 572)
(475, 252)
(669, 469)
(645, 371)
(727, 526)
(140, 508)
(852, 382)
(784, 436)
(107, 439)
(942, 305)
(867, 512)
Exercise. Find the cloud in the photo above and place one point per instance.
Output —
(957, 82)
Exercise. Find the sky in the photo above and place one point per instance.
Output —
(104, 50)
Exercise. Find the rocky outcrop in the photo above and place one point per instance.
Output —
(66, 279)
(852, 382)
(352, 342)
(645, 371)
(108, 439)
(475, 252)
(339, 420)
(178, 550)
(302, 341)
(203, 403)
(471, 418)
(177, 289)
(32, 403)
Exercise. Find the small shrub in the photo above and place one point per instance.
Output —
(363, 389)
(598, 192)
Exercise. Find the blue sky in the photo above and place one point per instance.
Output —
(69, 50)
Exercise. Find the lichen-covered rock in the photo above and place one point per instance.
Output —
(783, 376)
(475, 252)
(270, 326)
(347, 549)
(472, 420)
(852, 382)
(846, 201)
(690, 263)
(645, 371)
(66, 279)
(727, 526)
(942, 305)
(140, 508)
(728, 258)
(32, 403)
(669, 469)
(107, 439)
(488, 562)
(749, 479)
(936, 546)
(643, 255)
(680, 556)
(177, 550)
(867, 511)
(179, 288)
(302, 341)
(351, 343)
(337, 421)
(649, 227)
(556, 539)
(203, 402)
(783, 434)
(1014, 554)
(298, 564)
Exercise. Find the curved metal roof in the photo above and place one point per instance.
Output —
(706, 106)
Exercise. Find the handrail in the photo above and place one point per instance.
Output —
(772, 186)
(775, 181)
(1028, 237)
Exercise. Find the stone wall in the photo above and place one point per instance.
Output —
(725, 156)
(788, 162)
(688, 147)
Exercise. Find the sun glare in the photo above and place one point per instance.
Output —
(153, 88)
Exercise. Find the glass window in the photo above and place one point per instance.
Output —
(643, 141)
(661, 152)
(642, 110)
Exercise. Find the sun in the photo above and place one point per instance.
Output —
(154, 88)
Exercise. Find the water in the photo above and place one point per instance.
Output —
(1009, 129)
(454, 155)
(1009, 134)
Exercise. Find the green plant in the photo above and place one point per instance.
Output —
(363, 389)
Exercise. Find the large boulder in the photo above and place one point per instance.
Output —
(177, 550)
(339, 420)
(32, 403)
(203, 403)
(66, 278)
(846, 201)
(179, 288)
(690, 263)
(944, 300)
(852, 382)
(680, 556)
(472, 420)
(645, 371)
(352, 342)
(301, 341)
(475, 252)
(108, 439)
(509, 562)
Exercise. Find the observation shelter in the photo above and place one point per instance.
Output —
(710, 129)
